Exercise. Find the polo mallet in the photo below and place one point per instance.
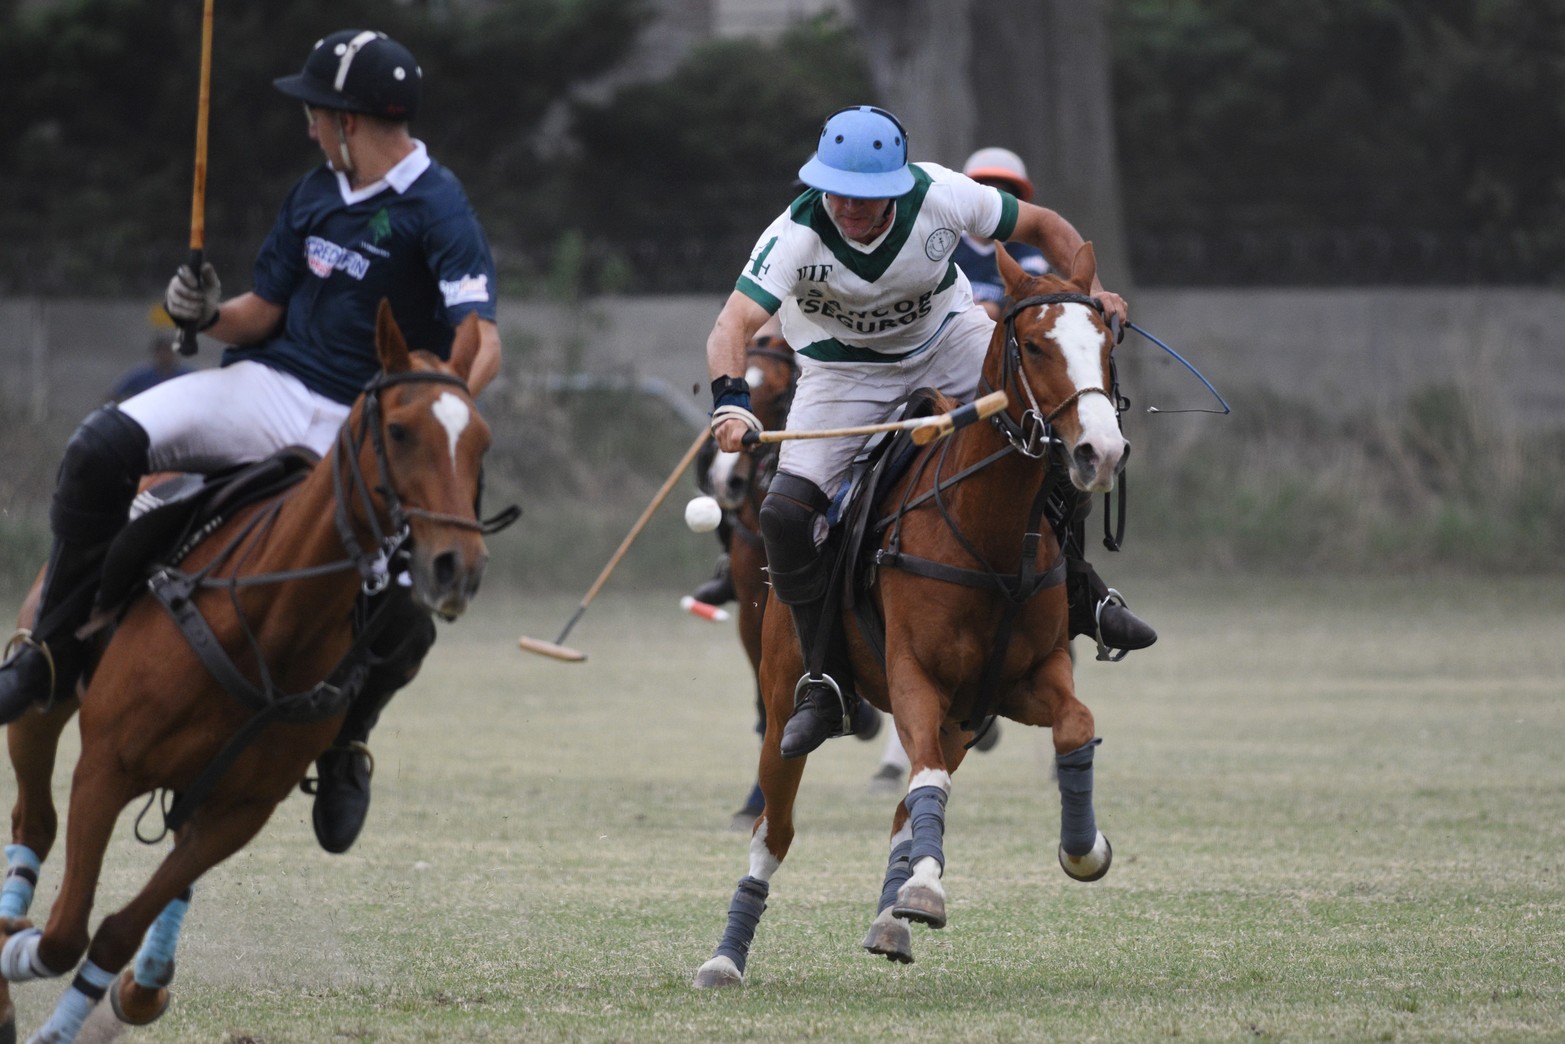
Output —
(187, 331)
(924, 429)
(557, 649)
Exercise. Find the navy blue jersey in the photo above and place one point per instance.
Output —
(976, 260)
(412, 239)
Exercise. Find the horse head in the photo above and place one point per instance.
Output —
(426, 443)
(1058, 349)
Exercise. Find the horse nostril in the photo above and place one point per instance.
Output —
(1086, 457)
(444, 568)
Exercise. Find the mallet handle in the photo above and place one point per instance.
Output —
(187, 331)
(635, 530)
(925, 429)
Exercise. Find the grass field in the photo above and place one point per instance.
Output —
(1337, 809)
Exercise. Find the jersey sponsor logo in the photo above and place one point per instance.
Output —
(758, 265)
(325, 257)
(380, 226)
(470, 289)
(868, 321)
(813, 273)
(940, 243)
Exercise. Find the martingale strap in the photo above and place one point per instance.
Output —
(325, 698)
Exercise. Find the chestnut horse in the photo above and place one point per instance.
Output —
(969, 584)
(277, 586)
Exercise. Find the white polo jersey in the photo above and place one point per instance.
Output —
(841, 301)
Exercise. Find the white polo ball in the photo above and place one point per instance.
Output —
(703, 514)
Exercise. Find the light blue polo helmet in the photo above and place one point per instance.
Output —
(862, 154)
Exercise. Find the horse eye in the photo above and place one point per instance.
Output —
(397, 432)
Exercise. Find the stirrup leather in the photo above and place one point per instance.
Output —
(312, 784)
(24, 637)
(805, 681)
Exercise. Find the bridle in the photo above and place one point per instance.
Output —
(348, 449)
(1034, 433)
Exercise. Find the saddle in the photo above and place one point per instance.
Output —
(169, 519)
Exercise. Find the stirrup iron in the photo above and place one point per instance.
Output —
(24, 637)
(805, 680)
(1105, 653)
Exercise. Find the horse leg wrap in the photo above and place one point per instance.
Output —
(744, 913)
(898, 869)
(1078, 825)
(154, 967)
(926, 808)
(21, 878)
(19, 958)
(91, 983)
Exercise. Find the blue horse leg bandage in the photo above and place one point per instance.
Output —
(155, 959)
(1078, 825)
(744, 913)
(21, 878)
(927, 813)
(898, 869)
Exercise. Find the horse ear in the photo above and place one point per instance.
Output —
(393, 350)
(1011, 273)
(1084, 268)
(464, 346)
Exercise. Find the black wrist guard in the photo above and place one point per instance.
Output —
(731, 391)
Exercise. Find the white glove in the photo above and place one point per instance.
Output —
(187, 302)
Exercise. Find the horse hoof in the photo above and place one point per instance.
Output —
(8, 1025)
(922, 904)
(1093, 865)
(719, 971)
(890, 937)
(137, 1005)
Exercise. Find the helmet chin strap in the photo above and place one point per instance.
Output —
(342, 145)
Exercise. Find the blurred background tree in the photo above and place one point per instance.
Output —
(1342, 142)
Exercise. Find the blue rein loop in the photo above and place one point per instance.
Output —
(1185, 363)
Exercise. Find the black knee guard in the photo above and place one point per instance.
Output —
(395, 657)
(788, 527)
(103, 462)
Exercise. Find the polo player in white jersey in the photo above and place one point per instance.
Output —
(859, 271)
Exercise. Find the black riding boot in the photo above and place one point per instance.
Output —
(719, 589)
(342, 786)
(824, 703)
(1096, 609)
(103, 462)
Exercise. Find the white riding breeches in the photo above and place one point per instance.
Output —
(211, 419)
(850, 394)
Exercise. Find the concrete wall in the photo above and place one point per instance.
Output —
(1340, 350)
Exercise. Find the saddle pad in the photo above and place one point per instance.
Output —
(174, 511)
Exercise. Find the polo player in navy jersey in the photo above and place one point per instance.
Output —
(379, 219)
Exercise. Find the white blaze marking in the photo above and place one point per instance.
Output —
(453, 414)
(1082, 345)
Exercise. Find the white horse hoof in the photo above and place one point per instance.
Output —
(1093, 865)
(719, 971)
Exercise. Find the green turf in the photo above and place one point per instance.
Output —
(1337, 810)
